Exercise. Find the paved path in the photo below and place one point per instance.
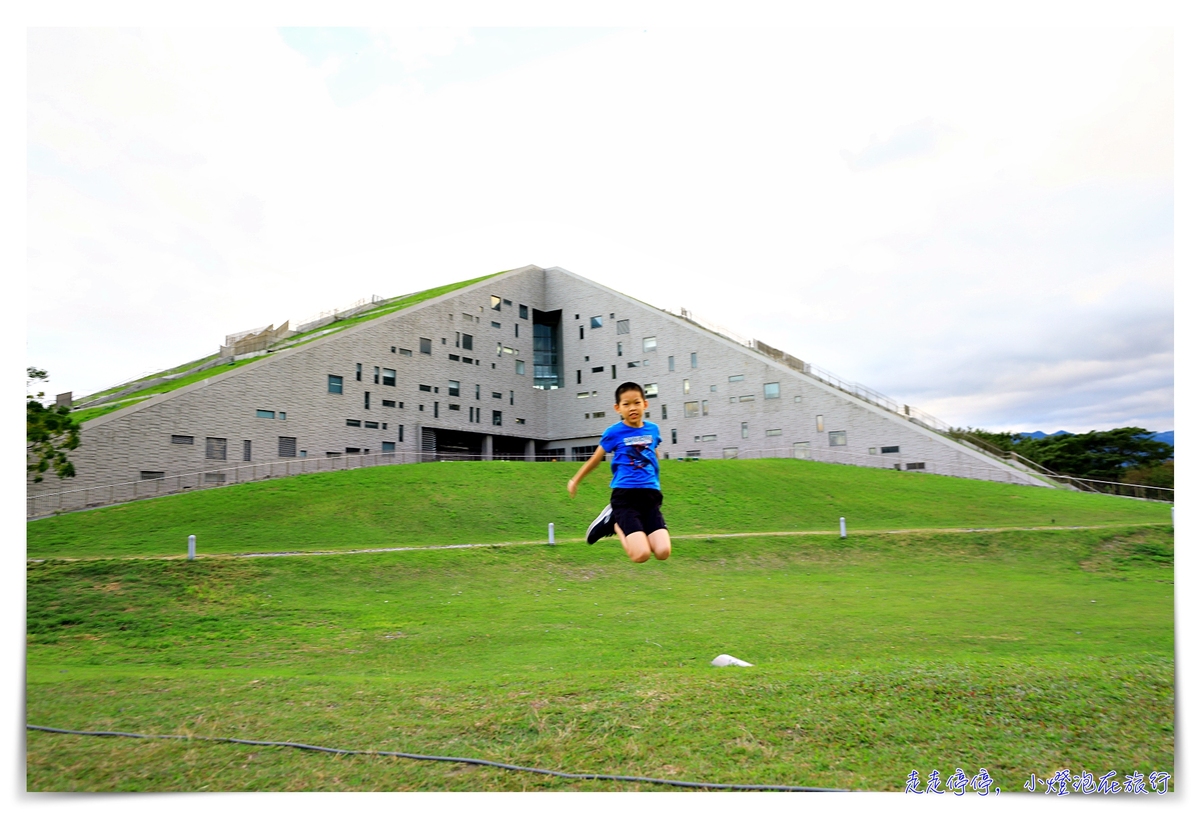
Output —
(575, 540)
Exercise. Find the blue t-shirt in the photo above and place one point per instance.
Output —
(634, 462)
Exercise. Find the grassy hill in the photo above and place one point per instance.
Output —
(457, 502)
(1029, 650)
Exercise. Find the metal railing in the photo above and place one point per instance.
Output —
(47, 503)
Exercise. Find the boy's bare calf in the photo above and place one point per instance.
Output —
(639, 546)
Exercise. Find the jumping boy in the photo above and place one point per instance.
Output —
(634, 512)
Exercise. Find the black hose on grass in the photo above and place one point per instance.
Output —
(418, 757)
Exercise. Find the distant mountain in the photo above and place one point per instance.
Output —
(1163, 437)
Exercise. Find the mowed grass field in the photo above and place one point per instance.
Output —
(1021, 651)
(458, 502)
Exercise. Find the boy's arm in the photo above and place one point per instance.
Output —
(592, 462)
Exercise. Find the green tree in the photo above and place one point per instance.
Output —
(1097, 455)
(50, 433)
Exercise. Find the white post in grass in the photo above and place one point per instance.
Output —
(552, 533)
(191, 546)
(842, 524)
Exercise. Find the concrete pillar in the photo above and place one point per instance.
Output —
(530, 450)
(487, 447)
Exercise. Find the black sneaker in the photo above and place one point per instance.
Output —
(601, 527)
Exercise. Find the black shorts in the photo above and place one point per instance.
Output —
(638, 510)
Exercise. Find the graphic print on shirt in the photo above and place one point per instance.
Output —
(635, 446)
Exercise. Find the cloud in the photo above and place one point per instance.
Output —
(941, 265)
(918, 140)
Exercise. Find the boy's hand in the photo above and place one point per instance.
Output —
(571, 487)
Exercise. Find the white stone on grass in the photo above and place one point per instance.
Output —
(725, 660)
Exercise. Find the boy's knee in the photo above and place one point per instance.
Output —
(663, 553)
(640, 556)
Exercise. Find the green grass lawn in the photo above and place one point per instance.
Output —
(456, 502)
(1019, 651)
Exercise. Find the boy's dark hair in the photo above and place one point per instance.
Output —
(630, 386)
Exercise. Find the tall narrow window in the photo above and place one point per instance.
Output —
(687, 386)
(358, 372)
(523, 311)
(694, 361)
(670, 363)
(366, 400)
(581, 333)
(820, 423)
(674, 436)
(476, 391)
(619, 353)
(704, 408)
(745, 429)
(468, 341)
(578, 376)
(664, 411)
(497, 418)
(246, 450)
(496, 303)
(376, 374)
(520, 367)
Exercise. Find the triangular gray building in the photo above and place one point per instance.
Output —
(522, 364)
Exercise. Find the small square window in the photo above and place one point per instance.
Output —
(691, 409)
(335, 384)
(771, 390)
(651, 390)
(507, 303)
(214, 448)
(623, 326)
(496, 303)
(650, 344)
(389, 377)
(596, 321)
(523, 311)
(452, 389)
(426, 346)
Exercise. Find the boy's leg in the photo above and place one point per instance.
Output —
(660, 543)
(637, 545)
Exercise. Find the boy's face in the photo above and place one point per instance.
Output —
(632, 407)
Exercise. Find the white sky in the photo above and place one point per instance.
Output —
(974, 221)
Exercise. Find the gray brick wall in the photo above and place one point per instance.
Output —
(119, 446)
